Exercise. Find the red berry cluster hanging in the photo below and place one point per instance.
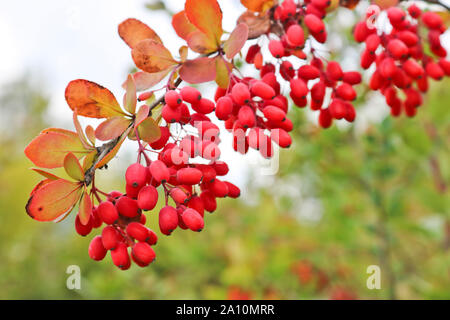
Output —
(192, 187)
(299, 26)
(402, 65)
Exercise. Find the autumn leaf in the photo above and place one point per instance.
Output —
(111, 154)
(258, 5)
(201, 43)
(85, 208)
(149, 130)
(79, 130)
(223, 72)
(206, 15)
(257, 24)
(142, 114)
(129, 98)
(199, 70)
(89, 160)
(53, 199)
(111, 128)
(46, 174)
(152, 56)
(236, 41)
(182, 26)
(73, 167)
(90, 134)
(91, 100)
(133, 31)
(183, 51)
(50, 147)
(145, 80)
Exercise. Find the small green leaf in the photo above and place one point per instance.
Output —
(73, 167)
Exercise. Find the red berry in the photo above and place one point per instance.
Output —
(120, 256)
(147, 198)
(178, 195)
(314, 24)
(83, 230)
(159, 171)
(196, 203)
(251, 53)
(396, 15)
(136, 175)
(224, 107)
(308, 72)
(204, 106)
(432, 20)
(295, 35)
(240, 94)
(143, 253)
(334, 71)
(218, 188)
(263, 90)
(233, 190)
(276, 48)
(110, 237)
(96, 249)
(346, 92)
(127, 207)
(189, 176)
(247, 117)
(162, 141)
(107, 212)
(171, 115)
(191, 95)
(412, 68)
(434, 71)
(325, 118)
(273, 113)
(397, 48)
(193, 220)
(281, 137)
(209, 201)
(298, 88)
(173, 99)
(168, 220)
(137, 231)
(352, 77)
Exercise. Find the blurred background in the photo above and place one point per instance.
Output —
(373, 193)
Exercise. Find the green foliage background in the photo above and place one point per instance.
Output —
(382, 202)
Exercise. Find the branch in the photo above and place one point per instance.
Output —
(435, 2)
(107, 147)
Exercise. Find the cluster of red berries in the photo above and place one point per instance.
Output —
(400, 57)
(312, 78)
(193, 187)
(250, 107)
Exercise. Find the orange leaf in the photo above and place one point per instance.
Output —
(73, 167)
(258, 5)
(53, 199)
(183, 51)
(198, 70)
(223, 72)
(142, 114)
(201, 43)
(257, 24)
(182, 26)
(46, 174)
(114, 151)
(133, 31)
(129, 99)
(91, 100)
(90, 134)
(85, 208)
(152, 56)
(50, 147)
(111, 128)
(79, 130)
(149, 130)
(145, 80)
(236, 41)
(89, 160)
(206, 15)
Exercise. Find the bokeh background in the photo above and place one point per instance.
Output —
(373, 193)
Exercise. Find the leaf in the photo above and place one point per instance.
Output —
(85, 208)
(91, 100)
(73, 167)
(90, 134)
(142, 114)
(236, 41)
(46, 174)
(130, 99)
(183, 51)
(50, 147)
(79, 130)
(114, 151)
(53, 199)
(133, 31)
(111, 128)
(198, 70)
(149, 130)
(182, 26)
(258, 5)
(222, 72)
(145, 80)
(206, 15)
(257, 24)
(152, 56)
(88, 161)
(201, 43)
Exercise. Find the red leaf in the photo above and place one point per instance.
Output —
(152, 56)
(50, 147)
(145, 80)
(206, 15)
(133, 31)
(182, 26)
(201, 43)
(53, 199)
(198, 70)
(111, 128)
(236, 41)
(91, 100)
